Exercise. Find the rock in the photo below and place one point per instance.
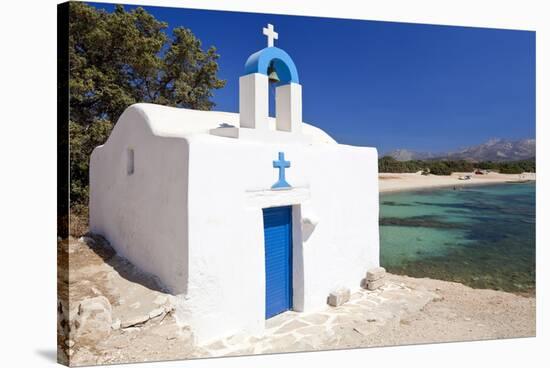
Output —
(131, 329)
(168, 331)
(363, 330)
(135, 305)
(93, 318)
(134, 321)
(375, 274)
(69, 343)
(156, 312)
(160, 300)
(116, 324)
(373, 285)
(87, 240)
(338, 297)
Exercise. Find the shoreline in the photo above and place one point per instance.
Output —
(404, 182)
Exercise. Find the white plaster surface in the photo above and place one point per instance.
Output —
(288, 105)
(254, 101)
(191, 213)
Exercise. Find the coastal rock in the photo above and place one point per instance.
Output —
(156, 312)
(160, 300)
(93, 319)
(134, 321)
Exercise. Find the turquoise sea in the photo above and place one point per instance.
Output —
(481, 236)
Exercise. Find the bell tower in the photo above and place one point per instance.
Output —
(269, 65)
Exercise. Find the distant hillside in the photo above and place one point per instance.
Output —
(493, 150)
(406, 155)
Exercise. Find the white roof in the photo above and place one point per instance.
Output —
(167, 121)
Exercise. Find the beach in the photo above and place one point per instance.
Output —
(395, 182)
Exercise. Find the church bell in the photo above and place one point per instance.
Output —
(272, 74)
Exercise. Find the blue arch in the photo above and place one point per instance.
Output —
(259, 62)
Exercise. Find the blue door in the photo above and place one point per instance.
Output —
(278, 260)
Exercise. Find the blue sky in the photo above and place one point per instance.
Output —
(384, 84)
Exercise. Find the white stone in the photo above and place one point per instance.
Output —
(131, 329)
(86, 240)
(373, 285)
(375, 273)
(134, 321)
(338, 297)
(160, 300)
(156, 312)
(93, 318)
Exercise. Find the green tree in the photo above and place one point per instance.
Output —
(440, 168)
(121, 58)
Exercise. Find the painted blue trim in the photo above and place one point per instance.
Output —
(281, 164)
(285, 67)
(278, 259)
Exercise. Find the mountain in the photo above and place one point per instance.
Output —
(493, 150)
(406, 155)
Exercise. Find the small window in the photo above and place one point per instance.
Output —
(130, 161)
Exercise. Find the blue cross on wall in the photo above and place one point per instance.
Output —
(281, 164)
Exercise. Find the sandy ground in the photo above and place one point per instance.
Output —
(392, 182)
(405, 311)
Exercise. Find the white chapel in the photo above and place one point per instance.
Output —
(241, 216)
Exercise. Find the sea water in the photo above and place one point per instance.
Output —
(481, 236)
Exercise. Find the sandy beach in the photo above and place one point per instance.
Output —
(393, 182)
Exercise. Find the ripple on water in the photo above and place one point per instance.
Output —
(483, 237)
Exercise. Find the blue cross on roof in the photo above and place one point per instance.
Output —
(281, 164)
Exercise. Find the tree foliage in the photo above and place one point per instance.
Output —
(510, 167)
(121, 58)
(389, 164)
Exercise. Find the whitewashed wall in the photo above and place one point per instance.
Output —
(335, 184)
(192, 214)
(143, 215)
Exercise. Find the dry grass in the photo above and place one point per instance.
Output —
(78, 222)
